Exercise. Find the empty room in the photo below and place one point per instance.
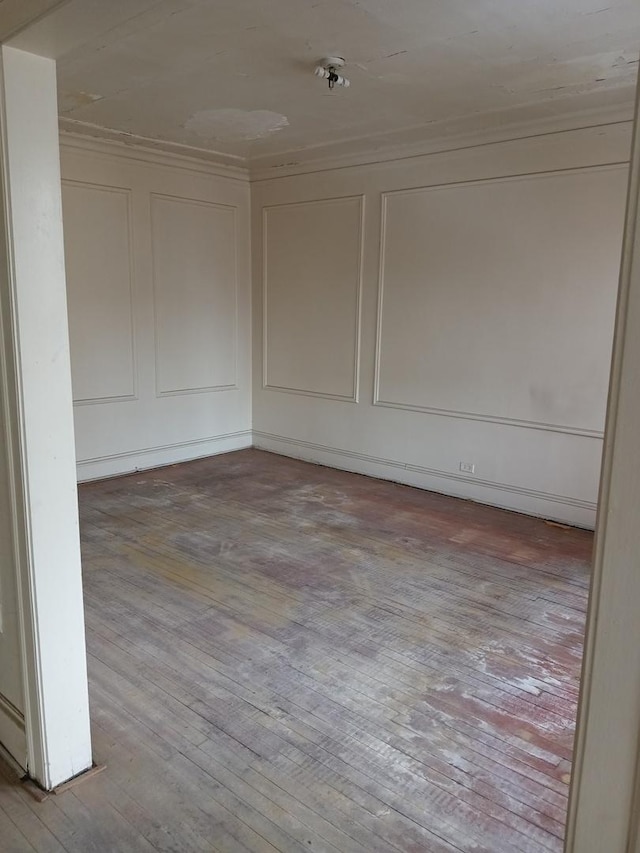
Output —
(320, 417)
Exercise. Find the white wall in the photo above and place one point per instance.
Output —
(158, 280)
(456, 307)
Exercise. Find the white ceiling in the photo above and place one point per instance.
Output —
(236, 76)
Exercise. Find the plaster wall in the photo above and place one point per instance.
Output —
(157, 254)
(446, 320)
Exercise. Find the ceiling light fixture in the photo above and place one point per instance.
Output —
(328, 70)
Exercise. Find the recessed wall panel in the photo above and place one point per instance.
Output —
(195, 293)
(99, 291)
(312, 274)
(498, 297)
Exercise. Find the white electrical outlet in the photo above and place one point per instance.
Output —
(468, 467)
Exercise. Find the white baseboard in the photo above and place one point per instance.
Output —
(569, 510)
(561, 508)
(155, 457)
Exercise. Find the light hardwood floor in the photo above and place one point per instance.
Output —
(286, 657)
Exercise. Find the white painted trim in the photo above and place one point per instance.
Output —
(17, 15)
(198, 202)
(492, 419)
(458, 413)
(96, 140)
(46, 541)
(128, 193)
(306, 392)
(97, 401)
(303, 392)
(286, 165)
(18, 747)
(206, 389)
(145, 153)
(507, 496)
(604, 804)
(142, 459)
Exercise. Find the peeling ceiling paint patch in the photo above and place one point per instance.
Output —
(69, 101)
(231, 125)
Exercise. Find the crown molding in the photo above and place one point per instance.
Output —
(17, 15)
(440, 137)
(91, 138)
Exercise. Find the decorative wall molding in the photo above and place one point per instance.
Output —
(434, 140)
(77, 137)
(492, 419)
(10, 710)
(204, 203)
(18, 16)
(351, 398)
(97, 401)
(460, 413)
(578, 511)
(145, 458)
(212, 232)
(127, 192)
(301, 392)
(206, 389)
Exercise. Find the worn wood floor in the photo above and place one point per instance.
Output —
(286, 657)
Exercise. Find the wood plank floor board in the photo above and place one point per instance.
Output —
(285, 657)
(267, 816)
(72, 834)
(161, 807)
(150, 835)
(259, 815)
(356, 727)
(27, 821)
(345, 756)
(360, 724)
(97, 825)
(327, 756)
(226, 710)
(453, 565)
(538, 688)
(13, 840)
(405, 614)
(239, 523)
(253, 755)
(171, 786)
(219, 742)
(344, 697)
(323, 654)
